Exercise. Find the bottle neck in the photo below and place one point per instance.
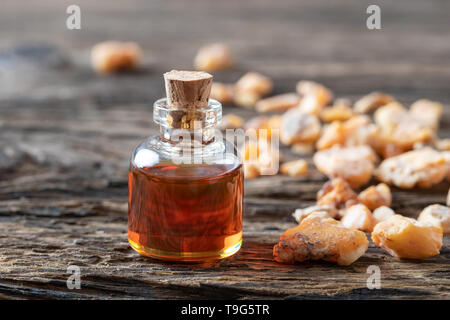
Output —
(194, 126)
(195, 137)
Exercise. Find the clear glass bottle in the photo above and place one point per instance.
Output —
(185, 195)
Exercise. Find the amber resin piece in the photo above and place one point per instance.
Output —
(222, 92)
(303, 148)
(250, 88)
(422, 168)
(358, 217)
(250, 151)
(372, 101)
(112, 56)
(339, 111)
(356, 131)
(297, 126)
(231, 121)
(428, 111)
(246, 99)
(268, 162)
(383, 213)
(399, 130)
(320, 238)
(325, 211)
(436, 215)
(251, 171)
(296, 168)
(376, 196)
(212, 57)
(313, 97)
(306, 87)
(259, 158)
(275, 122)
(390, 114)
(259, 122)
(407, 238)
(262, 125)
(281, 102)
(354, 164)
(337, 194)
(332, 134)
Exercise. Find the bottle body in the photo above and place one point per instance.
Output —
(185, 211)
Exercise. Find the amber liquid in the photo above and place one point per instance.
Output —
(187, 212)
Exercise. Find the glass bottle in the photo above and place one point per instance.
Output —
(185, 186)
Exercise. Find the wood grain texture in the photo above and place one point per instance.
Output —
(66, 136)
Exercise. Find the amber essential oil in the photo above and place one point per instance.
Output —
(186, 212)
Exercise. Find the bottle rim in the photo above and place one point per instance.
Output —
(211, 115)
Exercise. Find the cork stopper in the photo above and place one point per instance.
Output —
(187, 98)
(187, 89)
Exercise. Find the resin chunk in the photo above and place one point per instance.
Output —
(231, 121)
(407, 238)
(251, 171)
(436, 215)
(383, 213)
(354, 164)
(428, 111)
(296, 168)
(376, 196)
(303, 148)
(313, 97)
(112, 56)
(222, 92)
(297, 126)
(339, 111)
(281, 102)
(301, 214)
(421, 168)
(372, 101)
(250, 88)
(399, 130)
(356, 131)
(359, 217)
(337, 194)
(320, 238)
(212, 57)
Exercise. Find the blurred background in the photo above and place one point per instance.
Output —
(67, 133)
(286, 39)
(59, 117)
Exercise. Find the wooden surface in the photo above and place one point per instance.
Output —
(66, 136)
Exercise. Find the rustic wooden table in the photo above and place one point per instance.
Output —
(66, 136)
